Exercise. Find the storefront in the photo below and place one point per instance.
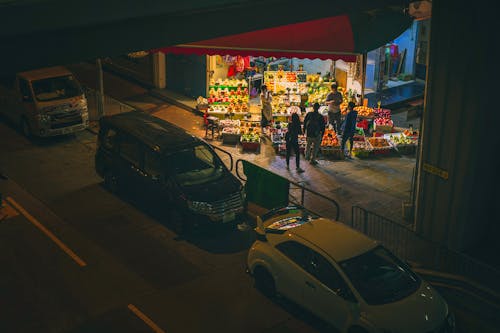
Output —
(298, 63)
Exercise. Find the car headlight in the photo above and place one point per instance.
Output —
(450, 319)
(43, 118)
(82, 103)
(243, 194)
(200, 206)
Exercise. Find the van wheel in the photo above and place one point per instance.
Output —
(25, 128)
(179, 222)
(111, 182)
(264, 282)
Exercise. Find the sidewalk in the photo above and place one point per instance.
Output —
(380, 185)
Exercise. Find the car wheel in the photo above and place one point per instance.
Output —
(179, 222)
(111, 182)
(357, 329)
(25, 128)
(264, 282)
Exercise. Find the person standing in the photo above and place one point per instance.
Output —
(349, 128)
(267, 110)
(314, 124)
(292, 142)
(333, 100)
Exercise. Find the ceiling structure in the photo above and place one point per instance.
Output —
(37, 33)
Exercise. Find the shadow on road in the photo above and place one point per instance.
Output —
(228, 238)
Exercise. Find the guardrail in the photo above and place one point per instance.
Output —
(303, 190)
(227, 153)
(111, 105)
(408, 245)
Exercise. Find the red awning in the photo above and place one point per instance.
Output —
(329, 38)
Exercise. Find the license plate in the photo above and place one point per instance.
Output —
(227, 217)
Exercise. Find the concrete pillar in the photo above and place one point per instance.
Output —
(159, 70)
(457, 193)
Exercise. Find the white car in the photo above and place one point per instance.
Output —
(345, 278)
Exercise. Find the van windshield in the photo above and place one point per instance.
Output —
(196, 165)
(56, 88)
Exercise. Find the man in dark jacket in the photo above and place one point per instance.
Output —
(349, 128)
(314, 125)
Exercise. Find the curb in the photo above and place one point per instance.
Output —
(175, 102)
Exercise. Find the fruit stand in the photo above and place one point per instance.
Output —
(231, 132)
(404, 144)
(330, 145)
(228, 97)
(250, 141)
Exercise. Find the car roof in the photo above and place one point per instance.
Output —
(43, 73)
(337, 240)
(157, 133)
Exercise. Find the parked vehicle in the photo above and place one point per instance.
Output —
(347, 279)
(142, 154)
(44, 102)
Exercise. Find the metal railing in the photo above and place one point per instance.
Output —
(308, 204)
(111, 105)
(408, 245)
(228, 154)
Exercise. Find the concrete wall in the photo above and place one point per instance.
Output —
(459, 128)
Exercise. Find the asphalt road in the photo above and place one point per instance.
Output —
(80, 259)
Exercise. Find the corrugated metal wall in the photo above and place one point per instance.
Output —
(461, 127)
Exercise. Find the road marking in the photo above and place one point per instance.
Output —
(43, 229)
(7, 211)
(145, 319)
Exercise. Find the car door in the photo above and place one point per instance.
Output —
(129, 166)
(154, 182)
(326, 293)
(292, 263)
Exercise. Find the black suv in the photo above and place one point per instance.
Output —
(163, 164)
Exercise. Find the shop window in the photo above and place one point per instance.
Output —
(130, 149)
(152, 164)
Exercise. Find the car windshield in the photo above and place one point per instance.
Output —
(380, 277)
(196, 165)
(55, 88)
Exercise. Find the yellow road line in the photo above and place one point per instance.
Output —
(49, 234)
(145, 319)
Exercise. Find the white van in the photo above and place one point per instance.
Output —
(45, 102)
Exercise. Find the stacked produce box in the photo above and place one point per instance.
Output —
(330, 145)
(228, 96)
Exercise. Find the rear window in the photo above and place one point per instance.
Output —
(56, 88)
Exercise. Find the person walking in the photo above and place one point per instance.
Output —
(267, 110)
(333, 100)
(349, 128)
(314, 124)
(292, 142)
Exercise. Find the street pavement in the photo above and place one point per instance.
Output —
(76, 258)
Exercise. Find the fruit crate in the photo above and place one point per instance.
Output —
(383, 128)
(230, 138)
(250, 146)
(406, 149)
(332, 152)
(379, 150)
